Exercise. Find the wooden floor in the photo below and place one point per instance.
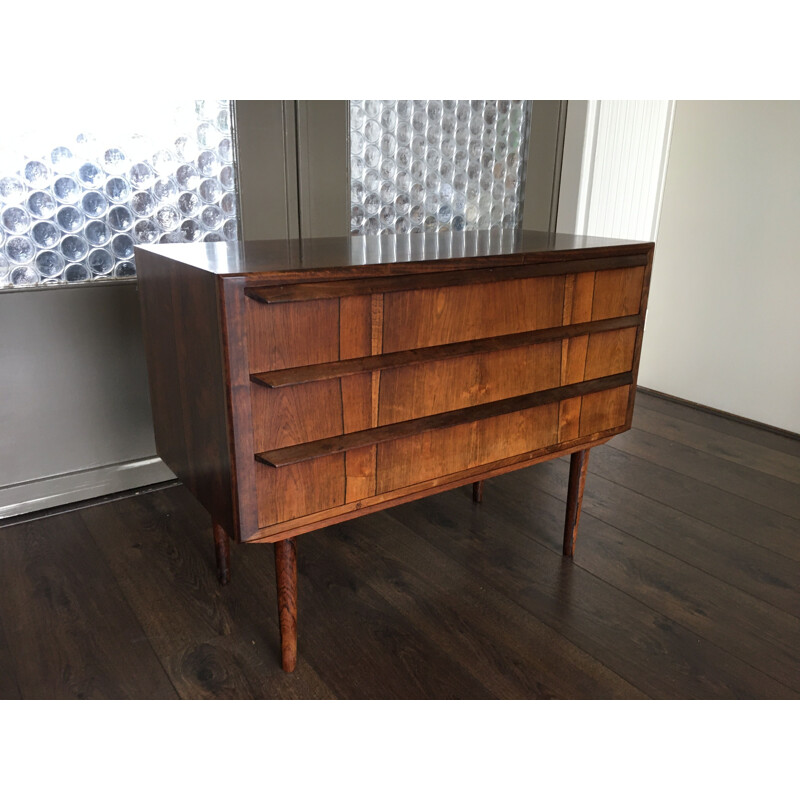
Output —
(685, 584)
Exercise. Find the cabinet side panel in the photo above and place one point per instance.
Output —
(180, 322)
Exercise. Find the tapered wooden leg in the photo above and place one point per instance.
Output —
(286, 574)
(477, 492)
(223, 551)
(579, 461)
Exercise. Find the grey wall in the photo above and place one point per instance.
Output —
(545, 149)
(74, 397)
(267, 164)
(323, 154)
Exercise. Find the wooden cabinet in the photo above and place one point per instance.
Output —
(296, 384)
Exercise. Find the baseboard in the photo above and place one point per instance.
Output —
(724, 414)
(72, 487)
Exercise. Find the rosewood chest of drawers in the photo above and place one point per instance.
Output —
(299, 383)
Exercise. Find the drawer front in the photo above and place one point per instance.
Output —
(412, 460)
(429, 317)
(297, 490)
(314, 410)
(292, 334)
(434, 387)
(285, 335)
(307, 412)
(294, 414)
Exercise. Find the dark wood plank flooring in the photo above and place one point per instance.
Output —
(685, 584)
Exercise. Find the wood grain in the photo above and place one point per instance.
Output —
(302, 413)
(436, 598)
(429, 317)
(240, 415)
(609, 352)
(371, 386)
(604, 410)
(223, 554)
(440, 483)
(435, 387)
(88, 643)
(356, 341)
(603, 407)
(299, 489)
(281, 261)
(578, 464)
(578, 295)
(286, 579)
(188, 393)
(310, 291)
(618, 292)
(412, 460)
(213, 643)
(277, 379)
(292, 335)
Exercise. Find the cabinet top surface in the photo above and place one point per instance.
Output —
(348, 253)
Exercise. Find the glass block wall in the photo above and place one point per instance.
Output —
(437, 165)
(74, 203)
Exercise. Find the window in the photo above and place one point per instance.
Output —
(80, 188)
(437, 165)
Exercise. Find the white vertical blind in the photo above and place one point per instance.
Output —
(624, 162)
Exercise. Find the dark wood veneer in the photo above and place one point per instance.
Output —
(299, 383)
(188, 389)
(299, 292)
(337, 369)
(385, 433)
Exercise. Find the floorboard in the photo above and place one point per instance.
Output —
(757, 571)
(726, 510)
(69, 630)
(685, 584)
(726, 446)
(643, 646)
(204, 634)
(494, 638)
(750, 629)
(750, 484)
(686, 412)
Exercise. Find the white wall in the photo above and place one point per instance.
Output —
(723, 323)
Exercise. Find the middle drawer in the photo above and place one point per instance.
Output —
(306, 412)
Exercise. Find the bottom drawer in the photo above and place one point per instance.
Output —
(405, 462)
(297, 490)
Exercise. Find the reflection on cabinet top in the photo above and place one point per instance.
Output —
(286, 260)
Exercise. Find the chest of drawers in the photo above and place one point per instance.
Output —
(297, 384)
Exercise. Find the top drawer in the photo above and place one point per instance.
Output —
(304, 330)
(429, 317)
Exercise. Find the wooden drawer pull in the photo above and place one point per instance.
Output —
(283, 456)
(299, 292)
(336, 369)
